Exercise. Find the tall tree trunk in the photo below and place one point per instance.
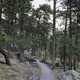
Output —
(76, 40)
(70, 33)
(53, 52)
(64, 47)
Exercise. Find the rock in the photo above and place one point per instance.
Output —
(69, 75)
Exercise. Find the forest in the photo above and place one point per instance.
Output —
(44, 35)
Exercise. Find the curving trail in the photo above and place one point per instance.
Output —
(46, 73)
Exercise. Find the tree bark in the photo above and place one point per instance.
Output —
(70, 32)
(65, 34)
(76, 40)
(53, 37)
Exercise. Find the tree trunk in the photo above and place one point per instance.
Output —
(53, 37)
(70, 33)
(74, 63)
(76, 39)
(65, 34)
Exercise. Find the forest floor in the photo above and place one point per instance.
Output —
(18, 71)
(26, 71)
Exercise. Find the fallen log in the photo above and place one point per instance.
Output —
(6, 55)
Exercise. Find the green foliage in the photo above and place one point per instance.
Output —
(2, 38)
